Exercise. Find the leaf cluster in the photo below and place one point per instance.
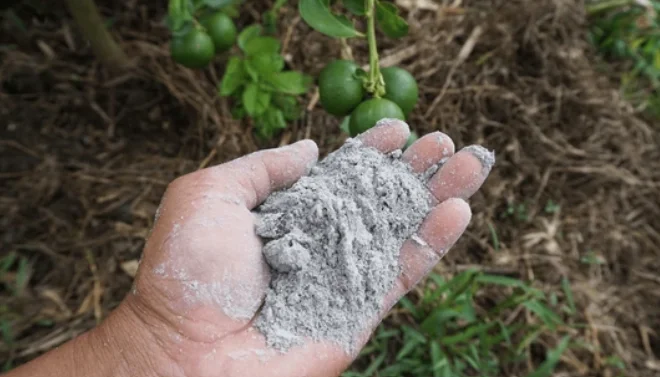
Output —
(449, 335)
(259, 84)
(632, 32)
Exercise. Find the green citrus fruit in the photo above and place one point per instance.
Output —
(401, 88)
(193, 50)
(340, 91)
(369, 112)
(221, 29)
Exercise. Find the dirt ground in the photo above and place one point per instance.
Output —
(85, 156)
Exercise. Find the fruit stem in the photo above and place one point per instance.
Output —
(604, 6)
(375, 82)
(198, 26)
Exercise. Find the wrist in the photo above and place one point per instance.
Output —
(127, 345)
(121, 346)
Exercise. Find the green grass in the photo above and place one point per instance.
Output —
(14, 278)
(624, 30)
(464, 327)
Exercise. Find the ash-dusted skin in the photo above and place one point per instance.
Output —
(334, 241)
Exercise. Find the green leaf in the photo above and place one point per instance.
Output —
(289, 106)
(460, 284)
(269, 123)
(7, 333)
(234, 76)
(238, 111)
(355, 6)
(501, 280)
(434, 323)
(373, 367)
(219, 4)
(276, 117)
(175, 9)
(247, 34)
(530, 335)
(178, 16)
(543, 312)
(7, 261)
(190, 6)
(255, 100)
(438, 360)
(385, 334)
(279, 4)
(318, 16)
(344, 126)
(566, 287)
(407, 348)
(468, 333)
(22, 276)
(551, 360)
(471, 360)
(414, 334)
(290, 82)
(389, 21)
(231, 11)
(262, 45)
(265, 64)
(252, 72)
(269, 20)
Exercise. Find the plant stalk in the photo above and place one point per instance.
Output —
(91, 25)
(607, 5)
(375, 84)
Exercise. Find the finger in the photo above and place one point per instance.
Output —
(387, 135)
(463, 174)
(428, 151)
(443, 226)
(250, 179)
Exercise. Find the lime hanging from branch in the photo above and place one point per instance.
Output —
(369, 112)
(340, 88)
(400, 88)
(221, 29)
(194, 49)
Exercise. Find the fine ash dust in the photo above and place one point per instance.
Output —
(332, 242)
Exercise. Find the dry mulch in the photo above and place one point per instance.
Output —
(85, 156)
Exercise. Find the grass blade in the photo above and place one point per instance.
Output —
(375, 364)
(546, 315)
(551, 361)
(501, 280)
(566, 286)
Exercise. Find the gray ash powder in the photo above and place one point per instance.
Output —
(333, 241)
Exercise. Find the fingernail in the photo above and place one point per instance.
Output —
(389, 121)
(485, 157)
(308, 143)
(445, 142)
(309, 153)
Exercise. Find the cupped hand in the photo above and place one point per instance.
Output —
(203, 278)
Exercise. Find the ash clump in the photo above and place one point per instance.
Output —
(333, 241)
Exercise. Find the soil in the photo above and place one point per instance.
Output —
(86, 153)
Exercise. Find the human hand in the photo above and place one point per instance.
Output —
(203, 278)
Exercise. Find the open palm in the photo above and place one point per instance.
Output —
(203, 278)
